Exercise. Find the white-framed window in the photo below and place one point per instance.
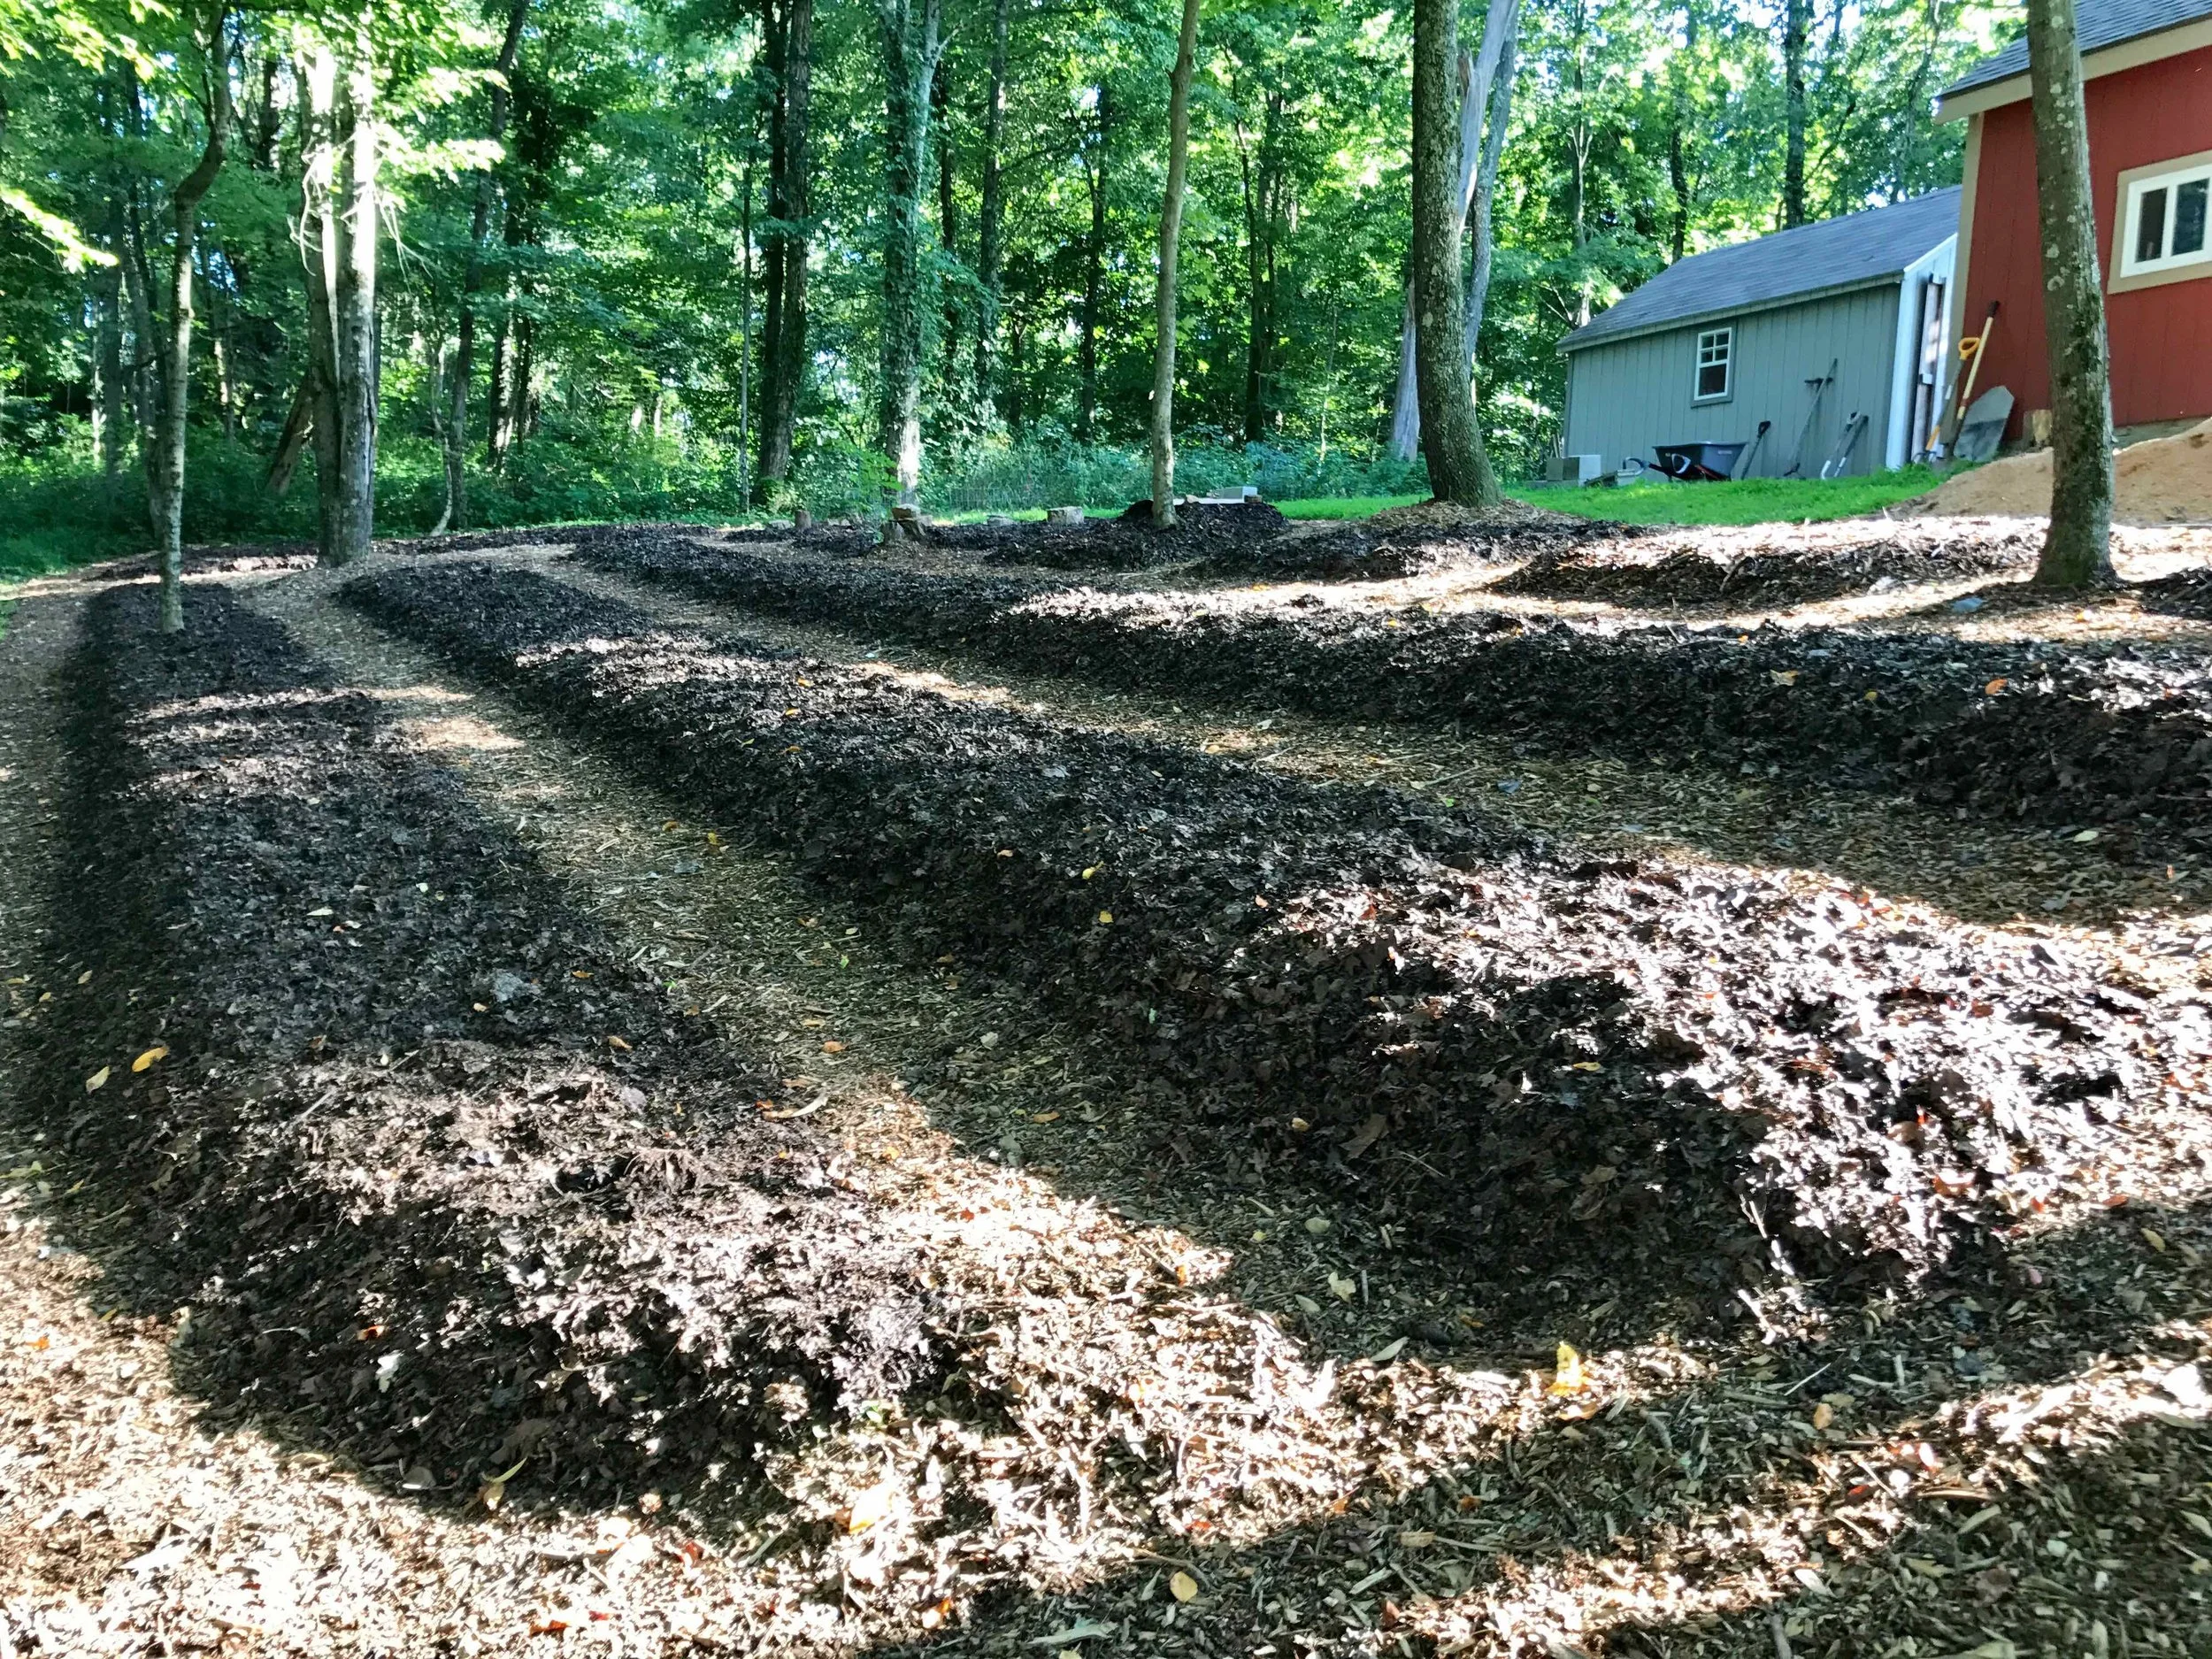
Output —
(2167, 219)
(1715, 365)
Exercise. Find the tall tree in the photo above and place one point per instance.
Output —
(1796, 24)
(463, 371)
(2077, 550)
(1459, 470)
(339, 200)
(1171, 233)
(1486, 94)
(989, 255)
(789, 41)
(1093, 269)
(165, 456)
(912, 33)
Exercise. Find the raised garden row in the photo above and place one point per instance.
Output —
(445, 1182)
(2033, 730)
(1548, 1064)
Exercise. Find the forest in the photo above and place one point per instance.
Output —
(639, 258)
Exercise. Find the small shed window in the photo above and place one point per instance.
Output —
(1716, 353)
(2166, 226)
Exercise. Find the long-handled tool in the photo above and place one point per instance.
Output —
(1820, 384)
(1835, 463)
(1972, 351)
(1752, 453)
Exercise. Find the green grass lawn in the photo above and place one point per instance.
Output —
(1753, 501)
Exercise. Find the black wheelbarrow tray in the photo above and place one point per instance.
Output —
(1698, 463)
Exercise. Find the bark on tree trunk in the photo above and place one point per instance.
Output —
(112, 406)
(1459, 471)
(1478, 78)
(948, 215)
(2077, 550)
(912, 38)
(1797, 22)
(464, 371)
(988, 254)
(166, 471)
(353, 310)
(783, 335)
(1170, 231)
(1093, 279)
(1502, 63)
(1678, 160)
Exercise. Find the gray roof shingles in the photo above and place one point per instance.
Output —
(2103, 23)
(1855, 251)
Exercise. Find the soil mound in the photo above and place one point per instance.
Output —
(380, 1131)
(2164, 480)
(1770, 565)
(1600, 1063)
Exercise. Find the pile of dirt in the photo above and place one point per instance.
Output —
(2028, 729)
(2163, 481)
(445, 1182)
(1765, 566)
(1599, 1063)
(1414, 540)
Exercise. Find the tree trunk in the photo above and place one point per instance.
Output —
(947, 214)
(318, 252)
(1678, 159)
(912, 39)
(353, 310)
(1499, 65)
(987, 253)
(1459, 471)
(1797, 21)
(1093, 278)
(1171, 230)
(783, 336)
(464, 371)
(113, 408)
(166, 471)
(1479, 76)
(2077, 550)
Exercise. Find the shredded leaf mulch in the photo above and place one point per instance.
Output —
(447, 1182)
(1596, 1059)
(2120, 735)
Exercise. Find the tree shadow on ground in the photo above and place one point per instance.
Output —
(1629, 1520)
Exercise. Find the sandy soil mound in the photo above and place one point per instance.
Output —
(2165, 481)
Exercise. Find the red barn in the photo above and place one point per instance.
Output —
(2148, 65)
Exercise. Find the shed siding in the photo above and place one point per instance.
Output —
(2162, 337)
(1627, 395)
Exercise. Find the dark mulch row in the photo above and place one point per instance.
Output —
(1602, 1064)
(1363, 553)
(426, 1211)
(2026, 730)
(1669, 573)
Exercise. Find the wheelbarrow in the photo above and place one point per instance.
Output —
(1698, 463)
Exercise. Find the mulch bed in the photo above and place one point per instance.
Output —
(1749, 570)
(2021, 730)
(445, 1182)
(1413, 544)
(1609, 1064)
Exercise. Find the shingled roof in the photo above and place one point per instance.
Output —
(2100, 23)
(1834, 256)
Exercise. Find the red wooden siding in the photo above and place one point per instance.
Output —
(2162, 337)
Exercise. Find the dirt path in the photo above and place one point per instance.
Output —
(1154, 1460)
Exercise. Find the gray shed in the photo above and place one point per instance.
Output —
(1718, 343)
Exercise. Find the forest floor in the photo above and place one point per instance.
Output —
(1434, 1087)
